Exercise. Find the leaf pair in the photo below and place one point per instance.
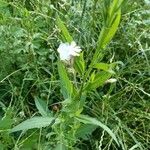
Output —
(107, 33)
(97, 80)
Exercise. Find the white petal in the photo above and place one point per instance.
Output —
(73, 43)
(62, 47)
(78, 49)
(73, 53)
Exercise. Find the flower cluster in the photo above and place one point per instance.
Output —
(67, 51)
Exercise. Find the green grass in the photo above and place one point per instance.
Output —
(29, 38)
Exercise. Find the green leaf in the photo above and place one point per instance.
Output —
(99, 80)
(64, 30)
(5, 123)
(85, 130)
(35, 122)
(102, 66)
(105, 67)
(60, 146)
(42, 107)
(3, 4)
(112, 30)
(112, 11)
(66, 85)
(107, 33)
(2, 146)
(89, 120)
(112, 7)
(79, 64)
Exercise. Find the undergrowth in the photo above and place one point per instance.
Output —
(29, 38)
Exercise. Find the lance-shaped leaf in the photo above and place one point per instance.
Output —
(66, 85)
(89, 120)
(35, 122)
(64, 30)
(104, 66)
(79, 64)
(42, 107)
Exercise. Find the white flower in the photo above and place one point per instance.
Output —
(67, 51)
(111, 80)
